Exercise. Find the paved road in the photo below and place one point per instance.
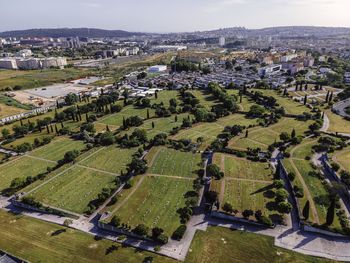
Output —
(340, 107)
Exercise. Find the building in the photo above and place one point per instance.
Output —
(53, 62)
(157, 68)
(288, 57)
(28, 63)
(24, 53)
(347, 77)
(8, 63)
(270, 70)
(222, 41)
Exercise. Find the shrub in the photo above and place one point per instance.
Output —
(179, 232)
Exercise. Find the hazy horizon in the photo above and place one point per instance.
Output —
(162, 16)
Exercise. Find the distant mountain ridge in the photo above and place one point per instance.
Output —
(69, 32)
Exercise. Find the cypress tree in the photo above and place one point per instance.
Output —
(305, 99)
(51, 128)
(175, 118)
(47, 129)
(56, 129)
(107, 128)
(327, 96)
(330, 213)
(293, 133)
(152, 125)
(246, 133)
(330, 97)
(306, 210)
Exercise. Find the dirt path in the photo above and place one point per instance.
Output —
(306, 189)
(41, 159)
(222, 186)
(249, 180)
(171, 176)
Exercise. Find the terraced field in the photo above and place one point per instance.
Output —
(21, 167)
(155, 203)
(74, 189)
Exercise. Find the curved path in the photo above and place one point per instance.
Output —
(340, 107)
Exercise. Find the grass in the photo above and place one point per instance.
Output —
(222, 245)
(21, 168)
(74, 189)
(209, 131)
(111, 159)
(29, 138)
(243, 168)
(39, 241)
(343, 159)
(337, 123)
(263, 137)
(38, 78)
(305, 149)
(155, 203)
(55, 150)
(9, 110)
(174, 163)
(205, 99)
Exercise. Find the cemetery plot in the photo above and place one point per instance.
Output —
(343, 159)
(337, 123)
(263, 137)
(111, 159)
(155, 203)
(246, 185)
(210, 131)
(205, 99)
(74, 189)
(21, 168)
(55, 150)
(171, 162)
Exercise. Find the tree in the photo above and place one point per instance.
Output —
(247, 213)
(306, 210)
(67, 222)
(284, 136)
(141, 230)
(246, 133)
(284, 207)
(330, 213)
(115, 221)
(281, 195)
(214, 171)
(293, 134)
(256, 111)
(179, 232)
(71, 99)
(138, 166)
(156, 232)
(70, 156)
(152, 125)
(227, 207)
(107, 138)
(5, 133)
(305, 99)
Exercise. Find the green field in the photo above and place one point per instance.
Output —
(155, 203)
(74, 189)
(337, 123)
(205, 99)
(55, 150)
(38, 78)
(174, 163)
(209, 131)
(263, 137)
(343, 159)
(38, 241)
(111, 159)
(21, 168)
(6, 110)
(222, 245)
(243, 168)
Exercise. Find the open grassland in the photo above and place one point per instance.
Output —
(111, 159)
(9, 110)
(29, 138)
(38, 78)
(209, 131)
(74, 189)
(343, 159)
(155, 203)
(263, 137)
(55, 150)
(222, 245)
(305, 149)
(244, 195)
(171, 162)
(21, 167)
(337, 123)
(39, 241)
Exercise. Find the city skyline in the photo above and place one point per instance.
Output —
(167, 16)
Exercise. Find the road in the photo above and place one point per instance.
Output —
(340, 107)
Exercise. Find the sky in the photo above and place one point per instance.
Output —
(171, 15)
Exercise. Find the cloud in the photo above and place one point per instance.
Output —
(91, 4)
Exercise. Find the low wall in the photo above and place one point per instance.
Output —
(224, 216)
(120, 231)
(316, 230)
(35, 209)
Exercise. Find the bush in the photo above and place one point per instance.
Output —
(179, 232)
(266, 220)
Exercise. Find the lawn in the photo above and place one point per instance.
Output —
(222, 245)
(29, 138)
(21, 168)
(209, 131)
(174, 163)
(39, 241)
(74, 189)
(155, 203)
(111, 159)
(243, 168)
(305, 149)
(337, 123)
(55, 150)
(343, 158)
(263, 137)
(205, 99)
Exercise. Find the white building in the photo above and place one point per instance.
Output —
(28, 63)
(8, 63)
(53, 62)
(222, 41)
(270, 70)
(24, 53)
(157, 68)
